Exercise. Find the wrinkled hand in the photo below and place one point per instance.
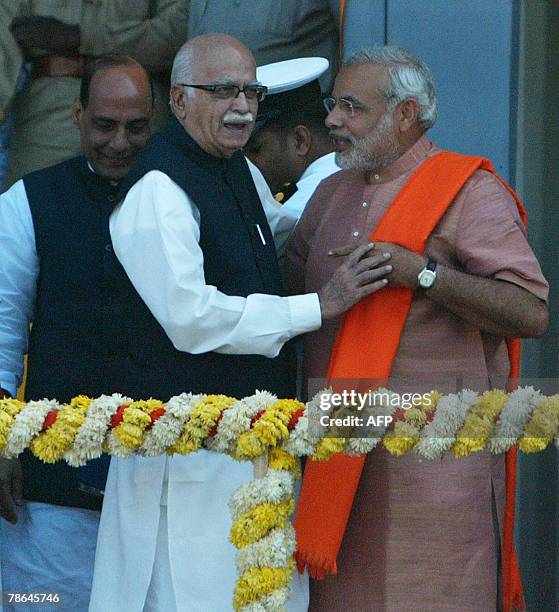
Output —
(46, 33)
(11, 488)
(360, 275)
(406, 265)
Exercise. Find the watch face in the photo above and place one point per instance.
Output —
(427, 278)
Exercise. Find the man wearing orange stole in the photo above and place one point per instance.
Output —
(402, 534)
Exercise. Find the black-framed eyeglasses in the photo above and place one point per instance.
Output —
(226, 91)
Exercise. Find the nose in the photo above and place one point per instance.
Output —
(334, 118)
(119, 141)
(240, 103)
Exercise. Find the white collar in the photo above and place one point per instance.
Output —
(324, 166)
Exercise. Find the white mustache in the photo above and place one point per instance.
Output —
(349, 137)
(238, 118)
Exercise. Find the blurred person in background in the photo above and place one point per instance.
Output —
(290, 143)
(57, 39)
(275, 31)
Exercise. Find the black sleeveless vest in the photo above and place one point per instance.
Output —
(93, 334)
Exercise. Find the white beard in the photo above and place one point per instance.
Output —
(374, 150)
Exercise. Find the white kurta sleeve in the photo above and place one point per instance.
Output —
(155, 233)
(19, 267)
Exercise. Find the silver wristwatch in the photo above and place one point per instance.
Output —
(427, 277)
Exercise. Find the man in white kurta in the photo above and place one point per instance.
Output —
(163, 538)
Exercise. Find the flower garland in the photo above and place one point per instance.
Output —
(405, 434)
(439, 434)
(541, 428)
(250, 428)
(513, 418)
(89, 441)
(264, 536)
(479, 424)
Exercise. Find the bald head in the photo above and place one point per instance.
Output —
(205, 50)
(219, 121)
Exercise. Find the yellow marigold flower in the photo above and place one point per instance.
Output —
(135, 416)
(130, 435)
(255, 524)
(258, 582)
(5, 425)
(282, 460)
(81, 402)
(402, 439)
(196, 428)
(474, 434)
(185, 445)
(50, 445)
(542, 427)
(248, 446)
(131, 431)
(267, 431)
(416, 417)
(203, 418)
(148, 405)
(328, 447)
(533, 445)
(11, 406)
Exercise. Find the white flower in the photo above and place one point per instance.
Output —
(275, 549)
(168, 428)
(276, 486)
(27, 424)
(438, 435)
(308, 432)
(237, 419)
(88, 443)
(513, 418)
(274, 602)
(386, 407)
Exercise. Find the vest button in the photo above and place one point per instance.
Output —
(111, 197)
(108, 248)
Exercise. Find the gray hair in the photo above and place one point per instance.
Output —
(409, 77)
(182, 65)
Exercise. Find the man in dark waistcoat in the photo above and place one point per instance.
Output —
(57, 269)
(194, 233)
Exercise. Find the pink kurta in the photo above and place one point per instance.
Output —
(421, 536)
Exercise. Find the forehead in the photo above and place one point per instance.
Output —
(117, 88)
(361, 82)
(227, 64)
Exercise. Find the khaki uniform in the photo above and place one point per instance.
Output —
(151, 31)
(273, 30)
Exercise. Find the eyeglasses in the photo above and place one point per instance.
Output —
(347, 107)
(224, 91)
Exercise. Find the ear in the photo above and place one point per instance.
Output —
(77, 111)
(179, 102)
(407, 114)
(301, 139)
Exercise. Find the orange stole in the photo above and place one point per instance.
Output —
(365, 347)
